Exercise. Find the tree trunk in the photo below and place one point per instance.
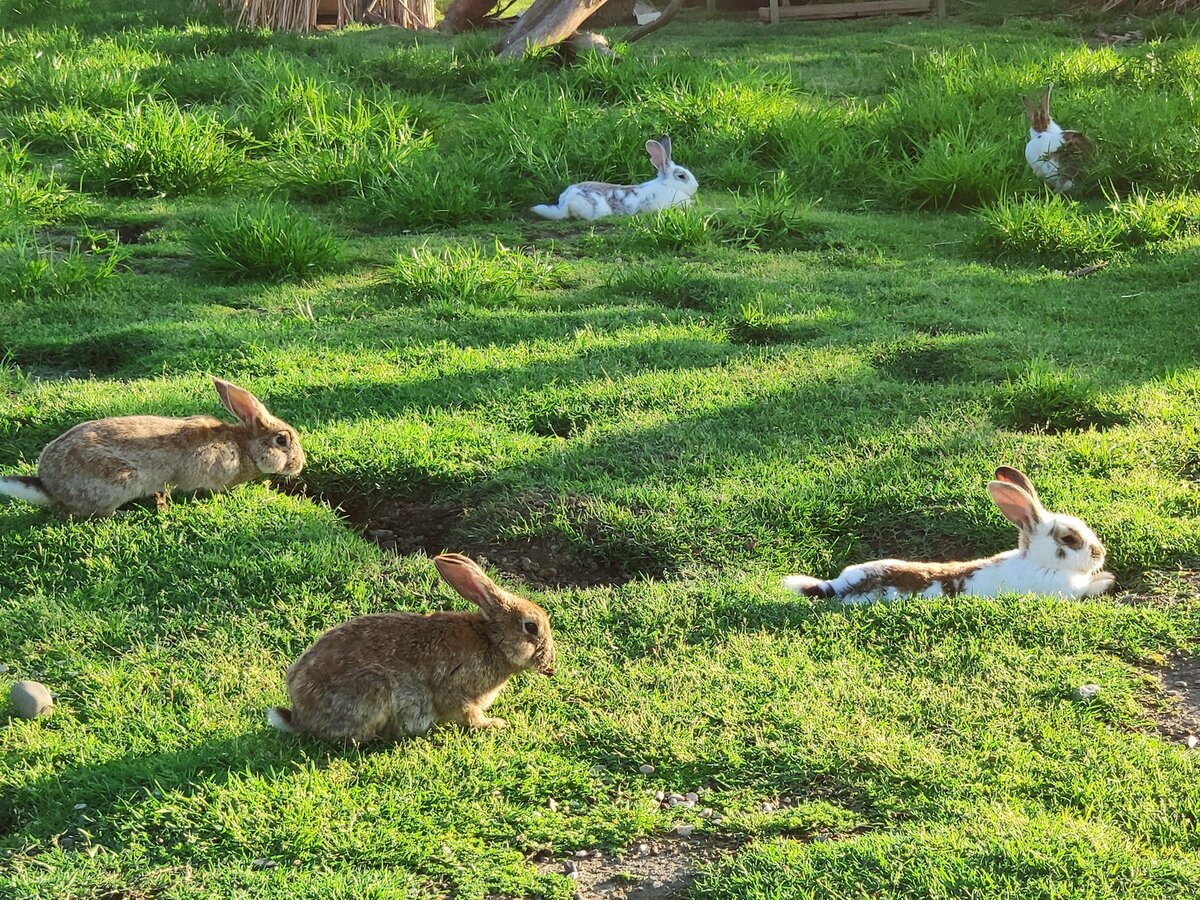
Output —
(545, 23)
(463, 15)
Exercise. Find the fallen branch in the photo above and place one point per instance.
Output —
(650, 27)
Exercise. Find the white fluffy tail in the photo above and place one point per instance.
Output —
(280, 719)
(550, 212)
(27, 488)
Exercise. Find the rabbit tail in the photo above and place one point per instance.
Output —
(807, 586)
(280, 718)
(546, 211)
(25, 487)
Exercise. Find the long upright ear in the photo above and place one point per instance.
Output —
(665, 142)
(471, 582)
(1021, 480)
(242, 404)
(658, 155)
(1046, 101)
(1018, 507)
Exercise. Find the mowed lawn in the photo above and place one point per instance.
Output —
(641, 425)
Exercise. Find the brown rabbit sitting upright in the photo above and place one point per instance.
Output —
(394, 675)
(97, 466)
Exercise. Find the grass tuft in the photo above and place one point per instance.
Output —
(1045, 397)
(156, 148)
(466, 275)
(31, 269)
(264, 241)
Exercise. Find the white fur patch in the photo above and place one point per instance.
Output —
(20, 490)
(278, 722)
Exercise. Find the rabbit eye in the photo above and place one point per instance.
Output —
(281, 440)
(531, 628)
(681, 176)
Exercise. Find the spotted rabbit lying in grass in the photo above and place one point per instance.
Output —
(674, 186)
(1057, 554)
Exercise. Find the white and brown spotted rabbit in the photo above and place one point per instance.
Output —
(1057, 555)
(1052, 151)
(674, 186)
(393, 675)
(97, 466)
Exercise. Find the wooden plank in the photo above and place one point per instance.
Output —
(816, 11)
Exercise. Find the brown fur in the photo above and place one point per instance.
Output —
(392, 675)
(914, 577)
(97, 466)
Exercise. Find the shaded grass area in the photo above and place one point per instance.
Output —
(705, 400)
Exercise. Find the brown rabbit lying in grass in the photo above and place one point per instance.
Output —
(393, 675)
(97, 466)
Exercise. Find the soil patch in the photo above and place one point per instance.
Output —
(407, 525)
(651, 870)
(1178, 718)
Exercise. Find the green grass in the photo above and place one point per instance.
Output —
(264, 241)
(821, 362)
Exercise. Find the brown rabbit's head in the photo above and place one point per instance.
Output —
(519, 628)
(1037, 108)
(273, 443)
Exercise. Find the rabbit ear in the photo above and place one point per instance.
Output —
(1045, 105)
(658, 155)
(1020, 479)
(471, 582)
(242, 404)
(665, 142)
(1018, 507)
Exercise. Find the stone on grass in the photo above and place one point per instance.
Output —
(1086, 692)
(30, 699)
(646, 769)
(1192, 742)
(684, 830)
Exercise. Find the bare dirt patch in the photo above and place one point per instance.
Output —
(406, 525)
(1178, 718)
(660, 869)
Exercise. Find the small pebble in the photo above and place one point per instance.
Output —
(646, 769)
(570, 868)
(67, 843)
(767, 806)
(552, 804)
(657, 885)
(30, 699)
(1181, 684)
(643, 848)
(1085, 692)
(706, 813)
(78, 806)
(684, 830)
(3, 668)
(692, 795)
(659, 796)
(263, 864)
(582, 854)
(1192, 741)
